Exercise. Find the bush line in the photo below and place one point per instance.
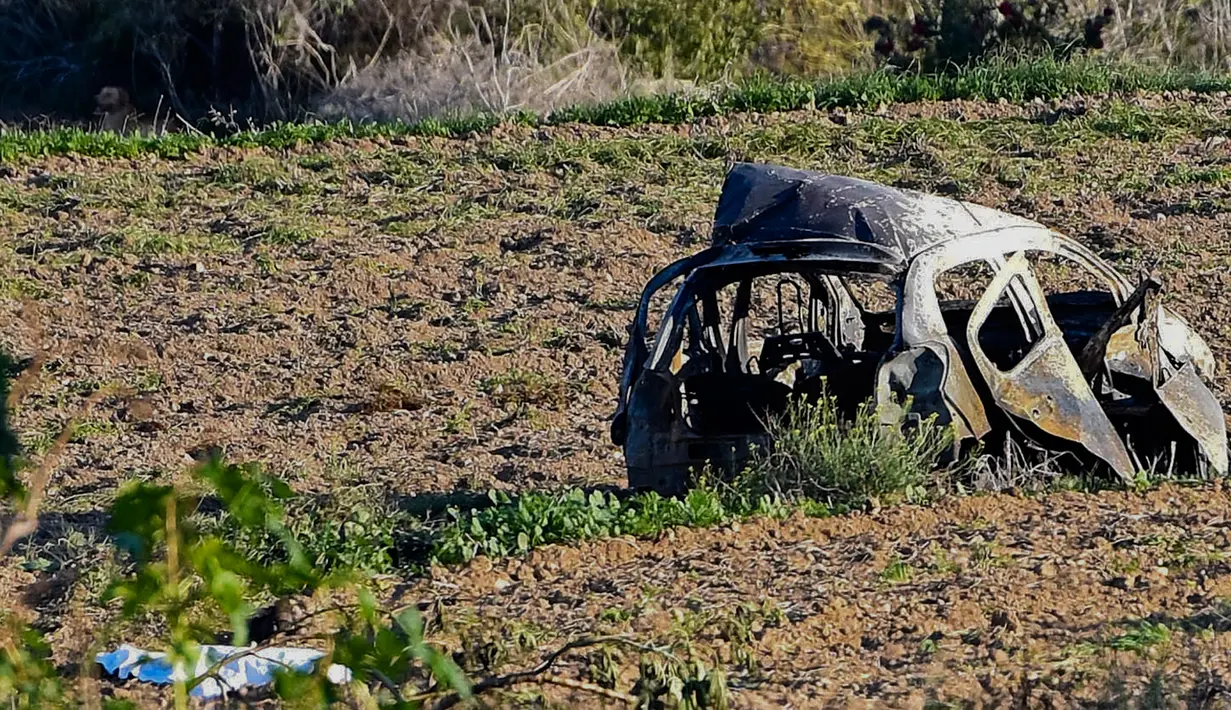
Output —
(1010, 80)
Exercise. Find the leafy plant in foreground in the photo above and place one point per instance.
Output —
(178, 570)
(178, 573)
(27, 677)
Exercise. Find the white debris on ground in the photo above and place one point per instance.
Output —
(248, 668)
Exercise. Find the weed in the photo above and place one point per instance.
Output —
(817, 455)
(92, 428)
(353, 530)
(603, 666)
(941, 562)
(665, 681)
(896, 572)
(287, 235)
(984, 556)
(1142, 636)
(16, 288)
(459, 421)
(522, 387)
(511, 526)
(615, 615)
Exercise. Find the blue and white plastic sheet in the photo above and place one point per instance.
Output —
(248, 668)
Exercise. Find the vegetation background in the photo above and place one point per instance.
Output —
(406, 59)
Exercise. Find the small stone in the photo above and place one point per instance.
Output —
(893, 651)
(1046, 569)
(139, 410)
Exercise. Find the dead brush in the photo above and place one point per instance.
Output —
(542, 66)
(1018, 466)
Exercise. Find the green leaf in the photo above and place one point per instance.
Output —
(368, 606)
(138, 517)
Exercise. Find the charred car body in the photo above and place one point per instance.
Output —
(1102, 371)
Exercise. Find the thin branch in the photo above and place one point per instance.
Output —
(589, 688)
(388, 683)
(26, 522)
(212, 671)
(504, 681)
(29, 377)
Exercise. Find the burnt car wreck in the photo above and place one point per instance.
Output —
(872, 292)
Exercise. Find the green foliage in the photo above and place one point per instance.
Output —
(533, 519)
(524, 387)
(817, 455)
(688, 38)
(348, 530)
(897, 572)
(943, 33)
(1143, 636)
(666, 681)
(1014, 80)
(27, 677)
(177, 568)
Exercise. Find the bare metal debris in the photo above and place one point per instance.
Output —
(1100, 370)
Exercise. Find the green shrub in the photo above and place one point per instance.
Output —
(953, 33)
(353, 529)
(817, 455)
(27, 677)
(696, 38)
(533, 519)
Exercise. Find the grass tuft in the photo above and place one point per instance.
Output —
(816, 455)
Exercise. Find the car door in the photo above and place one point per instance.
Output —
(1043, 384)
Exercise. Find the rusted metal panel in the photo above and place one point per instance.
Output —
(1047, 387)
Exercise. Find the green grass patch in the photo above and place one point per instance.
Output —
(1142, 636)
(817, 455)
(1014, 80)
(516, 526)
(523, 387)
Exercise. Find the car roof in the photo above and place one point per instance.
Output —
(770, 204)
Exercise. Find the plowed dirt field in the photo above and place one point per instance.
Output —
(399, 319)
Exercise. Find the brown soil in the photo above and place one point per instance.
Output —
(1006, 601)
(431, 316)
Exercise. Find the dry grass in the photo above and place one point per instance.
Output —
(456, 71)
(379, 59)
(1174, 32)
